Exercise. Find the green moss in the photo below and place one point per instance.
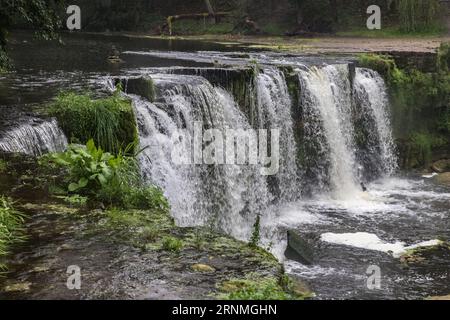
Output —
(172, 244)
(383, 64)
(258, 288)
(109, 121)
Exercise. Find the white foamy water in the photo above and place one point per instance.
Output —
(371, 241)
(326, 97)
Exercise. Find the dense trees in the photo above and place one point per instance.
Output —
(40, 14)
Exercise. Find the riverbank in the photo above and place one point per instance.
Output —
(316, 45)
(126, 254)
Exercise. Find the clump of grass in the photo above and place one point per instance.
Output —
(11, 231)
(150, 233)
(256, 236)
(109, 121)
(172, 244)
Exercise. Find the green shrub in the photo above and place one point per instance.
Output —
(172, 244)
(254, 240)
(144, 198)
(90, 168)
(11, 231)
(110, 122)
(114, 180)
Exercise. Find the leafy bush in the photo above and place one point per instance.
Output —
(109, 122)
(90, 168)
(11, 230)
(172, 244)
(112, 179)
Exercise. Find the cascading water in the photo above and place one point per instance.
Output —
(377, 150)
(34, 137)
(274, 111)
(326, 102)
(230, 196)
(227, 196)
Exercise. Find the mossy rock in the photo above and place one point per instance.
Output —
(143, 87)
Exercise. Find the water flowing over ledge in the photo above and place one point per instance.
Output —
(34, 137)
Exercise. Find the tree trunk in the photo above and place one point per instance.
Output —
(210, 10)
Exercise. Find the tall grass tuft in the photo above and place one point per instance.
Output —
(110, 121)
(11, 231)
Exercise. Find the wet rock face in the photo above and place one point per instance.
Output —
(301, 247)
(143, 87)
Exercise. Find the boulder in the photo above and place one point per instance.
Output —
(441, 166)
(443, 178)
(142, 86)
(300, 247)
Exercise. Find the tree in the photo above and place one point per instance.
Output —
(39, 14)
(210, 9)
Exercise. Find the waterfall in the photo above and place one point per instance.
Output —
(227, 196)
(274, 111)
(328, 157)
(34, 137)
(326, 102)
(378, 151)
